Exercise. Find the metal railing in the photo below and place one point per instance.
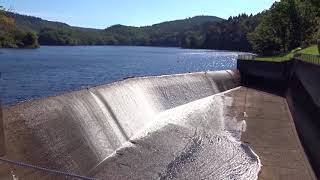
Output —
(47, 171)
(314, 59)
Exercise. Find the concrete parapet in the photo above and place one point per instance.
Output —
(268, 76)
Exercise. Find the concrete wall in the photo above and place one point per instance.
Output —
(303, 97)
(299, 82)
(76, 131)
(269, 76)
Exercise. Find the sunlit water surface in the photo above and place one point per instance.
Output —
(34, 73)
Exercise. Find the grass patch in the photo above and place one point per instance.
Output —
(281, 58)
(313, 50)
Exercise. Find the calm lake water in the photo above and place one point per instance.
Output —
(34, 73)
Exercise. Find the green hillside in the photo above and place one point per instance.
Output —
(162, 34)
(288, 24)
(182, 25)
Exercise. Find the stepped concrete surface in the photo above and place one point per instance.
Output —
(188, 126)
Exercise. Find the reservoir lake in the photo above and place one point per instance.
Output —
(50, 70)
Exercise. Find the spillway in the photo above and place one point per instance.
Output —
(162, 127)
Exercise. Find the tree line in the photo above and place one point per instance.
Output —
(286, 25)
(162, 34)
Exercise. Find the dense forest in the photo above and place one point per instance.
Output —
(162, 34)
(230, 34)
(286, 25)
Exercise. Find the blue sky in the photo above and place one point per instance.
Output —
(103, 13)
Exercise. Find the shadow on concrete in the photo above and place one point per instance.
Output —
(306, 117)
(273, 86)
(271, 77)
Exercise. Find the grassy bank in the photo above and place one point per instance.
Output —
(311, 50)
(281, 58)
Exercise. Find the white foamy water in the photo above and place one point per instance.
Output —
(205, 144)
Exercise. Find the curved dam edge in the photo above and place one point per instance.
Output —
(192, 141)
(76, 131)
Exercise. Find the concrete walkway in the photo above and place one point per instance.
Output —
(271, 134)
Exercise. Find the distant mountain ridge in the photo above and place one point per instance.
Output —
(208, 32)
(32, 23)
(162, 34)
(286, 25)
(193, 21)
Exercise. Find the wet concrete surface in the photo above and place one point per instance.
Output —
(271, 133)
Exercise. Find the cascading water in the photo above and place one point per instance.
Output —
(77, 131)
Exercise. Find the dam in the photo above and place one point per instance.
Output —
(204, 125)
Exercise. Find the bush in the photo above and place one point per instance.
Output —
(12, 37)
(30, 40)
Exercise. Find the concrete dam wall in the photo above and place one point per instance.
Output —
(75, 132)
(303, 97)
(299, 83)
(267, 76)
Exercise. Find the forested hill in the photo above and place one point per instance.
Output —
(183, 24)
(30, 23)
(286, 25)
(162, 34)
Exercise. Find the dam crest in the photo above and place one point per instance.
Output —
(176, 120)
